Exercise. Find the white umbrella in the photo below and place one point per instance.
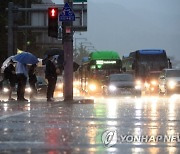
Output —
(6, 63)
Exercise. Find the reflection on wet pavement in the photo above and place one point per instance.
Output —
(141, 125)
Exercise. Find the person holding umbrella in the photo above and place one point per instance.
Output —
(21, 70)
(22, 74)
(51, 76)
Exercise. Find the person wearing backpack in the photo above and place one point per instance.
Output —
(10, 75)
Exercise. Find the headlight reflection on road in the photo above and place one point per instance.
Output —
(138, 107)
(92, 132)
(27, 107)
(5, 105)
(112, 111)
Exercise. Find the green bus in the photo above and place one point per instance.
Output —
(96, 68)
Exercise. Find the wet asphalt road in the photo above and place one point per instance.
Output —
(64, 127)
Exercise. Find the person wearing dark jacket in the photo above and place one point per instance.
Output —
(10, 75)
(32, 79)
(51, 76)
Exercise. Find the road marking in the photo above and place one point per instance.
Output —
(23, 142)
(12, 115)
(20, 113)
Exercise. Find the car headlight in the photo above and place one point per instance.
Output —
(145, 84)
(112, 88)
(5, 90)
(28, 89)
(92, 87)
(138, 82)
(138, 87)
(59, 85)
(154, 82)
(75, 83)
(171, 84)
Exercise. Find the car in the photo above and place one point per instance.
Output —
(151, 83)
(121, 84)
(41, 86)
(60, 84)
(169, 82)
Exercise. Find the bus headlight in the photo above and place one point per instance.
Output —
(92, 87)
(171, 84)
(112, 88)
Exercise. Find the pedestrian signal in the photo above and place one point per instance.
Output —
(53, 22)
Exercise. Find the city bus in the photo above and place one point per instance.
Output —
(96, 68)
(146, 63)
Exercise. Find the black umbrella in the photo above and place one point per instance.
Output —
(53, 52)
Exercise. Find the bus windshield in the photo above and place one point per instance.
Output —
(121, 77)
(155, 57)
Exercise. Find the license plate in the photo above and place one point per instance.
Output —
(126, 92)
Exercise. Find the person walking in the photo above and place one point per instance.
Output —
(22, 74)
(10, 75)
(32, 80)
(51, 76)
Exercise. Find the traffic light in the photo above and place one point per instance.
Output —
(53, 22)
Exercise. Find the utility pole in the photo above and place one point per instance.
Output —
(67, 27)
(25, 39)
(10, 28)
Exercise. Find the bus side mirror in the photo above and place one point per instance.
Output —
(169, 63)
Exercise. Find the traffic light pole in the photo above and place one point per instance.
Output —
(68, 56)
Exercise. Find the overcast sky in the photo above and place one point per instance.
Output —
(128, 25)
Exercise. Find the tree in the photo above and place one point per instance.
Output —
(79, 53)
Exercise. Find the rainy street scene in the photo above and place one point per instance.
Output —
(89, 77)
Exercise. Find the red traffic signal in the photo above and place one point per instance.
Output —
(53, 12)
(53, 22)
